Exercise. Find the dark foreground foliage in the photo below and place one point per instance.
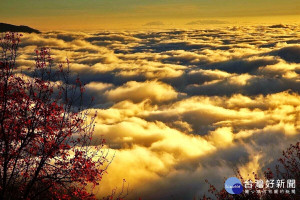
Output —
(45, 134)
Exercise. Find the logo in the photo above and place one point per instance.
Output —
(233, 186)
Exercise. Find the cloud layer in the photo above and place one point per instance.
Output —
(178, 107)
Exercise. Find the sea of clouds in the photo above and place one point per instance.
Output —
(181, 106)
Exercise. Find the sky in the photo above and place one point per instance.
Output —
(124, 14)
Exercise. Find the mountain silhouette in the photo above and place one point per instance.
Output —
(13, 28)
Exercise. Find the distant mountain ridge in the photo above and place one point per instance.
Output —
(13, 28)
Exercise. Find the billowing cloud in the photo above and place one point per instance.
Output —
(137, 92)
(181, 106)
(289, 54)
